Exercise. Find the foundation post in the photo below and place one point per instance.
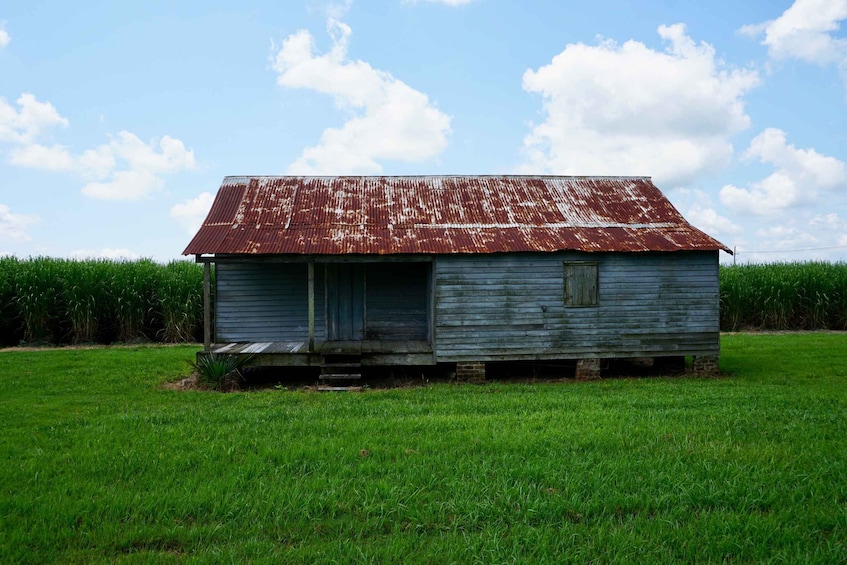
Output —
(470, 371)
(207, 307)
(587, 369)
(706, 365)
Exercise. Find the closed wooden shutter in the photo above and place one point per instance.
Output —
(581, 284)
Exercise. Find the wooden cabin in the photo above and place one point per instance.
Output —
(419, 270)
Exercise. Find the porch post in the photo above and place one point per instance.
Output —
(207, 307)
(311, 306)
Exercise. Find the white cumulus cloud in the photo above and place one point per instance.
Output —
(128, 168)
(631, 110)
(830, 222)
(708, 220)
(31, 119)
(800, 175)
(5, 38)
(389, 119)
(13, 226)
(806, 31)
(451, 3)
(37, 156)
(191, 213)
(125, 168)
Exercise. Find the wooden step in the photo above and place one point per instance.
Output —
(341, 368)
(328, 388)
(340, 376)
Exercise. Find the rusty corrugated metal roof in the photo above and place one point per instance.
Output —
(442, 214)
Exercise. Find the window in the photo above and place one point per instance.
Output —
(581, 284)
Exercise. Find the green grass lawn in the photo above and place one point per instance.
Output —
(98, 463)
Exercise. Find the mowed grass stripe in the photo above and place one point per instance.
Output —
(100, 464)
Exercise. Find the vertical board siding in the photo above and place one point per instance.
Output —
(266, 302)
(345, 300)
(397, 301)
(513, 306)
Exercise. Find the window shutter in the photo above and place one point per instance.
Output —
(581, 284)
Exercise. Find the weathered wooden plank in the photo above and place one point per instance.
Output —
(388, 359)
(256, 347)
(536, 356)
(564, 346)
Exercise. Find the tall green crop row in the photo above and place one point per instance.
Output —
(133, 292)
(9, 330)
(180, 300)
(61, 301)
(784, 296)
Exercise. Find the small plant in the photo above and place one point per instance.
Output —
(219, 371)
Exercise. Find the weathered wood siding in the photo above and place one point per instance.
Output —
(266, 302)
(513, 306)
(397, 301)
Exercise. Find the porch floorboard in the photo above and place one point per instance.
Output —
(379, 351)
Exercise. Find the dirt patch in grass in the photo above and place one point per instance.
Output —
(188, 383)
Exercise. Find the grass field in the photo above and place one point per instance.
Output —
(100, 464)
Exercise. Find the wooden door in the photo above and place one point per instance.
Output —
(345, 302)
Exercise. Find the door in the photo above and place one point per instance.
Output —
(345, 302)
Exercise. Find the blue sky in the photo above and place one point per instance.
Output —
(118, 121)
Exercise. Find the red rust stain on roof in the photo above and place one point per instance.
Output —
(443, 214)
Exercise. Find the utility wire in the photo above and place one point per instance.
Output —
(736, 252)
(794, 250)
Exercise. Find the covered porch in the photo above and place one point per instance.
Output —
(310, 311)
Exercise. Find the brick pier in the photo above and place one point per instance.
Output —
(705, 365)
(470, 372)
(588, 369)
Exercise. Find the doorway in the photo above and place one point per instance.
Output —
(345, 302)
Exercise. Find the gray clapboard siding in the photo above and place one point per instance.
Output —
(266, 302)
(397, 301)
(508, 307)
